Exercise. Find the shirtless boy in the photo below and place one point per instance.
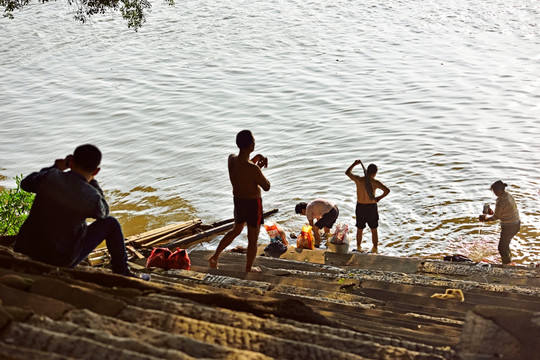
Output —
(247, 180)
(366, 206)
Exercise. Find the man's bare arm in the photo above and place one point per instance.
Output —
(260, 161)
(349, 173)
(262, 181)
(385, 190)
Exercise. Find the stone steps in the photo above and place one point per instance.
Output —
(401, 288)
(90, 321)
(366, 312)
(303, 332)
(309, 306)
(15, 352)
(384, 284)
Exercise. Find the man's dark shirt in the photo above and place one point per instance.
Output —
(57, 221)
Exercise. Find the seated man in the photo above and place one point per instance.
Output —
(324, 211)
(56, 231)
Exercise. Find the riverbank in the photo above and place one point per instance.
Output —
(308, 304)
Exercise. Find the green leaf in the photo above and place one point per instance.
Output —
(15, 206)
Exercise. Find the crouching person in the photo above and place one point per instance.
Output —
(56, 231)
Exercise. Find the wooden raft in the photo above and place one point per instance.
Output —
(180, 235)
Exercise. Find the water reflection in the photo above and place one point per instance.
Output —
(142, 209)
(429, 91)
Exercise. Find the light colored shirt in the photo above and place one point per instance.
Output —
(506, 209)
(317, 208)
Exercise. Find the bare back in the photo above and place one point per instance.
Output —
(362, 196)
(246, 178)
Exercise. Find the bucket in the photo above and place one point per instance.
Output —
(338, 248)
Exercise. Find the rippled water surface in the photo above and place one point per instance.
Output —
(443, 96)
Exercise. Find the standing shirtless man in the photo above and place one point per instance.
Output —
(366, 206)
(247, 180)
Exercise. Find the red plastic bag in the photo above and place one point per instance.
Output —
(166, 259)
(159, 258)
(179, 259)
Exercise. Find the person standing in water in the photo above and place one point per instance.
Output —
(366, 205)
(247, 180)
(506, 211)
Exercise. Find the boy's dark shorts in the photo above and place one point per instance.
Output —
(328, 219)
(248, 211)
(367, 213)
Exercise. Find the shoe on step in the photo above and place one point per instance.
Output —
(142, 276)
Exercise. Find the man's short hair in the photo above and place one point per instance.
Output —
(372, 169)
(299, 207)
(87, 156)
(244, 139)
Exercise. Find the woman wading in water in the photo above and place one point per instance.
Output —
(506, 211)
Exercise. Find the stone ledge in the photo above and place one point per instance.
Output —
(500, 333)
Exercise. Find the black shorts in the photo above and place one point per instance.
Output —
(248, 211)
(367, 213)
(328, 219)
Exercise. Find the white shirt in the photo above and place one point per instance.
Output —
(318, 207)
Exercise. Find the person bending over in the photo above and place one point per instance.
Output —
(247, 180)
(324, 212)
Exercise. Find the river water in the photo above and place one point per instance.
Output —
(443, 96)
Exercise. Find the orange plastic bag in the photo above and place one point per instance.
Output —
(305, 240)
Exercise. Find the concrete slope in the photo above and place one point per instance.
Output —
(309, 305)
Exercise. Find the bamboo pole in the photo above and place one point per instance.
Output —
(135, 251)
(188, 241)
(162, 232)
(146, 239)
(170, 235)
(153, 237)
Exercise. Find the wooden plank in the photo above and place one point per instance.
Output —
(98, 252)
(153, 232)
(171, 235)
(160, 232)
(134, 251)
(99, 255)
(168, 236)
(188, 241)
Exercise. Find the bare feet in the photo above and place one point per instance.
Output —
(213, 262)
(255, 269)
(374, 250)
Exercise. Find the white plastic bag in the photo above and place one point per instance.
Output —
(276, 232)
(340, 235)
